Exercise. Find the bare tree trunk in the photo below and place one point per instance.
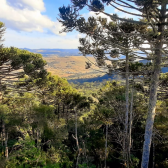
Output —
(106, 145)
(0, 96)
(6, 146)
(1, 145)
(125, 150)
(130, 120)
(2, 141)
(0, 90)
(153, 89)
(76, 137)
(153, 149)
(3, 135)
(76, 129)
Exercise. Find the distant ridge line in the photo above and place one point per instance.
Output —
(58, 52)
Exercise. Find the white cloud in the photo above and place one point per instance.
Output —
(25, 15)
(36, 40)
(29, 4)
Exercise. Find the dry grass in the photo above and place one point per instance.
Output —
(71, 67)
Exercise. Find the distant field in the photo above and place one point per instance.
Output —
(71, 67)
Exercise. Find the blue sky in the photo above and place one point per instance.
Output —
(33, 24)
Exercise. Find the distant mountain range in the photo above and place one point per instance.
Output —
(58, 52)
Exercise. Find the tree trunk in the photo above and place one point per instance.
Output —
(153, 150)
(67, 114)
(3, 137)
(153, 90)
(106, 145)
(130, 120)
(37, 138)
(58, 110)
(33, 132)
(0, 96)
(1, 145)
(125, 148)
(0, 90)
(76, 137)
(6, 146)
(63, 110)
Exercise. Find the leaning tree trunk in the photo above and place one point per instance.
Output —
(153, 90)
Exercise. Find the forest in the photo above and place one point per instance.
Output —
(46, 122)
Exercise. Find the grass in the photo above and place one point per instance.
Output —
(71, 67)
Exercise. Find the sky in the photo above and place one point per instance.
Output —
(33, 24)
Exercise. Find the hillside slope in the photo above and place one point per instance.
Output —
(71, 67)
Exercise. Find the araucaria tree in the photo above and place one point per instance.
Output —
(150, 30)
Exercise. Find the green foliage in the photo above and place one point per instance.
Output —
(4, 110)
(85, 166)
(135, 161)
(27, 156)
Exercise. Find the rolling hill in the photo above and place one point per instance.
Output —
(71, 67)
